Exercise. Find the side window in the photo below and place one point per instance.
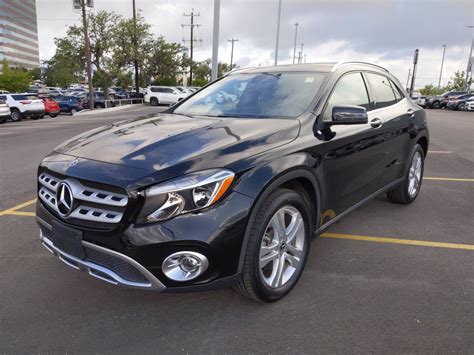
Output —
(349, 90)
(382, 90)
(169, 91)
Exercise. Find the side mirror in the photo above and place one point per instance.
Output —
(345, 115)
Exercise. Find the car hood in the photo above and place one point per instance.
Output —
(181, 143)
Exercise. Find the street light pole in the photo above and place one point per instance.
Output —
(294, 47)
(135, 60)
(300, 59)
(442, 63)
(278, 32)
(88, 54)
(233, 40)
(215, 39)
(469, 63)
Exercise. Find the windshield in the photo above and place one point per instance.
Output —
(259, 95)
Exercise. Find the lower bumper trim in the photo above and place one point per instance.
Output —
(101, 272)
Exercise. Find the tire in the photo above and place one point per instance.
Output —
(72, 111)
(256, 280)
(154, 101)
(52, 115)
(461, 106)
(436, 105)
(404, 193)
(16, 115)
(3, 120)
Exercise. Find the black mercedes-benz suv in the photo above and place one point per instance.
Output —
(229, 186)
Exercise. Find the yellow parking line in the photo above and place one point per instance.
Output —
(21, 213)
(399, 241)
(447, 179)
(17, 207)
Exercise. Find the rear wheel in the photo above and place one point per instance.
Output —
(408, 190)
(436, 105)
(277, 248)
(16, 115)
(52, 115)
(154, 101)
(462, 106)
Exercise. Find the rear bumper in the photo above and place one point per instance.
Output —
(28, 113)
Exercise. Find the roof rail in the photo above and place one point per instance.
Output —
(340, 64)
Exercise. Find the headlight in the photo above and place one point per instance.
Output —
(186, 194)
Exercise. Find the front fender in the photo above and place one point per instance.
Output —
(261, 181)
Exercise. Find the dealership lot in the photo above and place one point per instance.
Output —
(385, 277)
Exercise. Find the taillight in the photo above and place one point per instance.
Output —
(25, 102)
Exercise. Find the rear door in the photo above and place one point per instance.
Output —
(395, 113)
(353, 154)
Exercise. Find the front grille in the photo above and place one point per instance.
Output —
(117, 265)
(86, 203)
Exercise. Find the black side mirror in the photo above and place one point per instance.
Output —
(349, 115)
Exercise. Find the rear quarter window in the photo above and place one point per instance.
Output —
(382, 90)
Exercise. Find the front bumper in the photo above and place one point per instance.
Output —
(217, 233)
(104, 264)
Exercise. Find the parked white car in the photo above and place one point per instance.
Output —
(24, 105)
(4, 109)
(157, 95)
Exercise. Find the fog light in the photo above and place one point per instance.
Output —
(184, 265)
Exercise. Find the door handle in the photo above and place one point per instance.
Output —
(376, 123)
(411, 112)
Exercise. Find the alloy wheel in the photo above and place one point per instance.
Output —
(281, 250)
(414, 176)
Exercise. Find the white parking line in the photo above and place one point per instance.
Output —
(439, 152)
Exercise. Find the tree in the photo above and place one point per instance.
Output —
(458, 81)
(35, 74)
(165, 61)
(124, 80)
(65, 68)
(431, 90)
(14, 80)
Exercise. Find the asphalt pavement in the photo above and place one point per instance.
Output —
(385, 279)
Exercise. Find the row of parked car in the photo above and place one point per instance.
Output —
(452, 100)
(26, 105)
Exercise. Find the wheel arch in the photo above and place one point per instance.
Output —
(295, 177)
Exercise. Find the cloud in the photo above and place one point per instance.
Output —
(381, 31)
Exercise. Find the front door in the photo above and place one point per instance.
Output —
(353, 154)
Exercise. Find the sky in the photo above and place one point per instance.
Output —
(385, 32)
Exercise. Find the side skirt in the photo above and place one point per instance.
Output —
(357, 205)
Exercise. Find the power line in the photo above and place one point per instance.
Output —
(191, 40)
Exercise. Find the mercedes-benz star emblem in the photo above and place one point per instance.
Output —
(64, 199)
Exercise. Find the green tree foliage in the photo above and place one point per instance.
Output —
(66, 66)
(202, 71)
(431, 90)
(124, 80)
(35, 74)
(458, 81)
(14, 80)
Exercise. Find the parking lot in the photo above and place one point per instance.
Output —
(386, 277)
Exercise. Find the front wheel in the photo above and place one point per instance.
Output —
(277, 248)
(154, 101)
(462, 106)
(408, 190)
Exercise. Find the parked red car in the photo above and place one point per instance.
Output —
(51, 107)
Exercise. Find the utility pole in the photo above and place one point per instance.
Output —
(137, 86)
(442, 63)
(215, 40)
(408, 80)
(294, 47)
(278, 32)
(469, 64)
(88, 54)
(192, 40)
(300, 58)
(232, 40)
(415, 62)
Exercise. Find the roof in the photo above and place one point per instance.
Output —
(321, 67)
